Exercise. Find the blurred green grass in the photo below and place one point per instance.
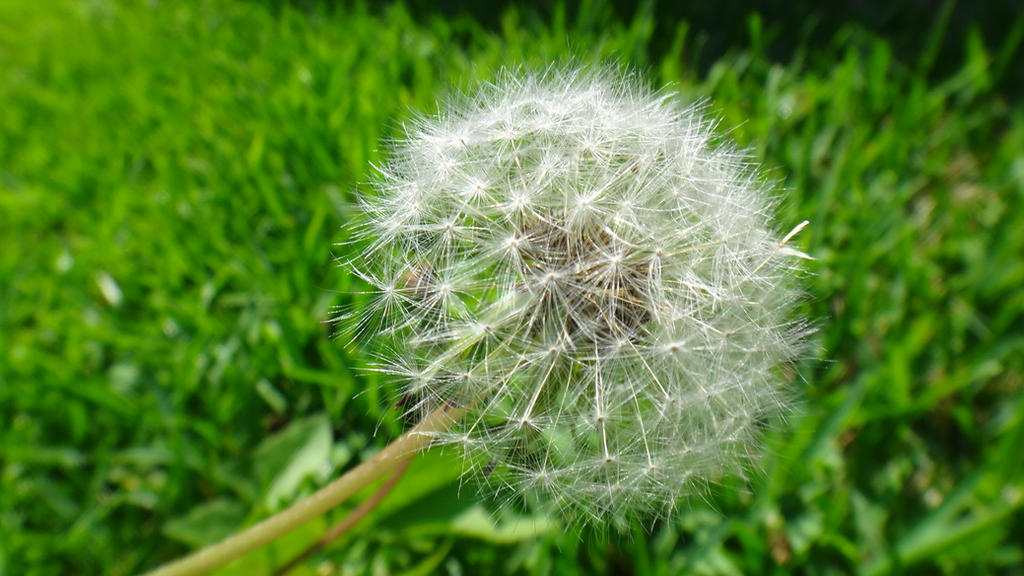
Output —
(173, 175)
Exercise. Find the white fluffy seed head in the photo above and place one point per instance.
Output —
(578, 262)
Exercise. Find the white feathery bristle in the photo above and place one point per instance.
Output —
(587, 269)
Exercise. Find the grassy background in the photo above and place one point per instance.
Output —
(173, 175)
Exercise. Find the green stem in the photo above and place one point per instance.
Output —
(385, 461)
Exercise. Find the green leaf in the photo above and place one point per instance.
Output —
(206, 523)
(285, 460)
(502, 528)
(455, 510)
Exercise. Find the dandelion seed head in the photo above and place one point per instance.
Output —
(581, 264)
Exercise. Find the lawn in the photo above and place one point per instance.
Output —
(174, 178)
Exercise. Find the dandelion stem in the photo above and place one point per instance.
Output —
(385, 461)
(339, 529)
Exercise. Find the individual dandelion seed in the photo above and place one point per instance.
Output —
(587, 270)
